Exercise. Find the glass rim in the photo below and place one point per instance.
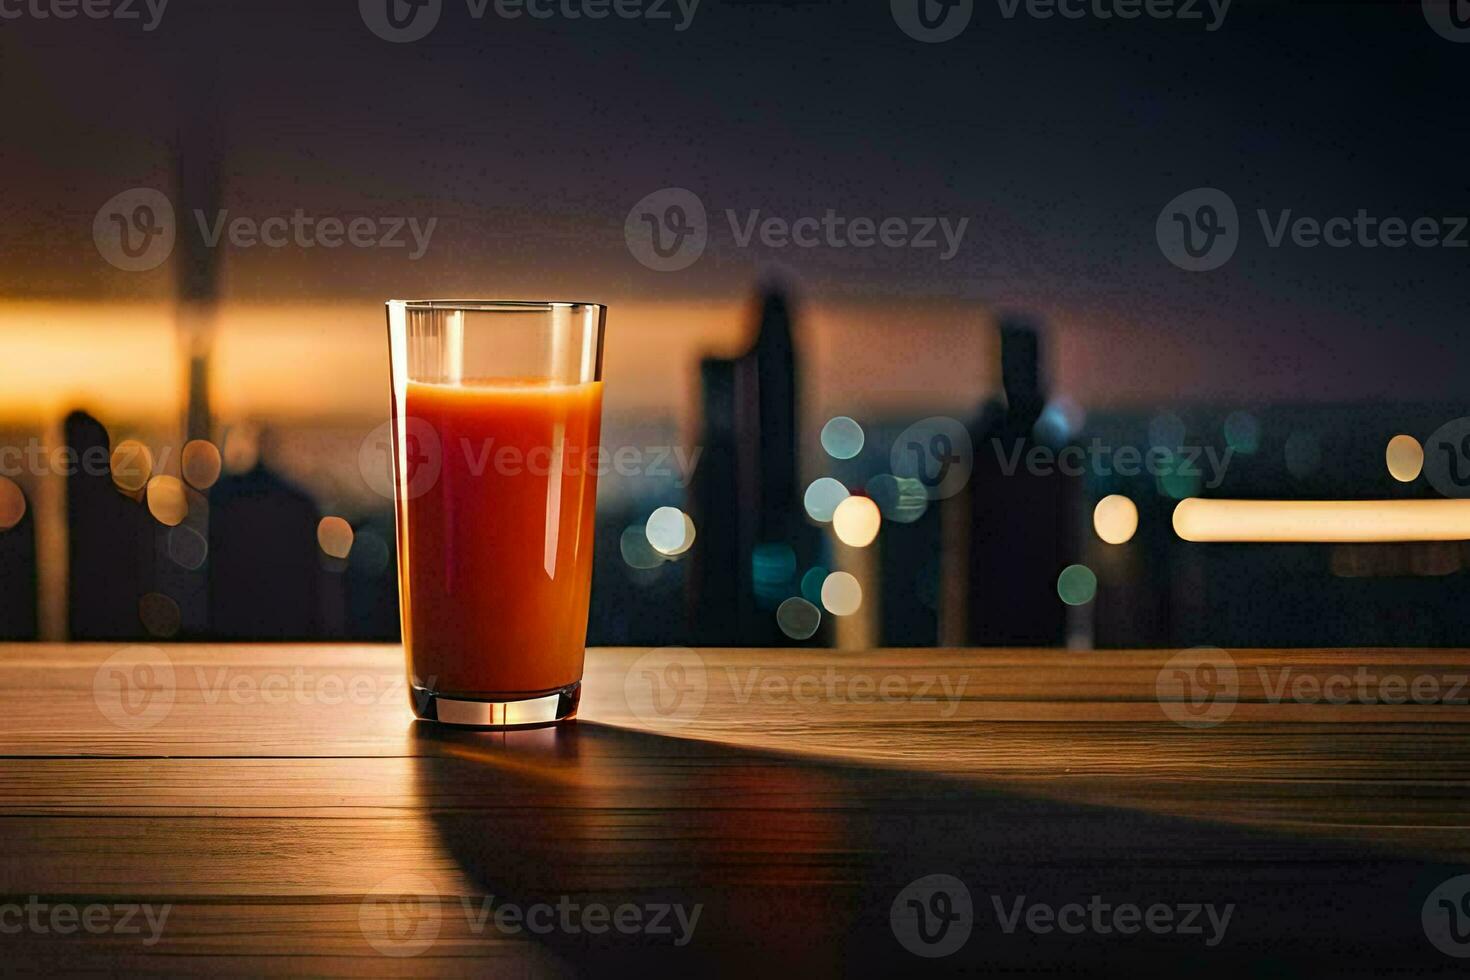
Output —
(495, 305)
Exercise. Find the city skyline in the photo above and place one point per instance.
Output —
(1059, 218)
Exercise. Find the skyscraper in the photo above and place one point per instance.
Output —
(1023, 526)
(110, 540)
(753, 536)
(18, 619)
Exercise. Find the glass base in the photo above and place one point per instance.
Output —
(532, 712)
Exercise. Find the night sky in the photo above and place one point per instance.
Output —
(1059, 140)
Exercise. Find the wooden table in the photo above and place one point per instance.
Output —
(280, 806)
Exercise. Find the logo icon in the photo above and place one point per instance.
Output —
(932, 21)
(1199, 230)
(935, 451)
(401, 916)
(667, 230)
(400, 21)
(422, 458)
(1450, 19)
(1198, 688)
(666, 686)
(1447, 458)
(135, 687)
(134, 230)
(932, 916)
(1446, 917)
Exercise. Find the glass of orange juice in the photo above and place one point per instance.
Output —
(497, 410)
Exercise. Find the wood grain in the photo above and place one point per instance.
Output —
(285, 806)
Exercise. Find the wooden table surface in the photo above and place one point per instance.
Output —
(271, 809)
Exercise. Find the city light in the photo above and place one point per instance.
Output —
(132, 465)
(635, 549)
(822, 498)
(1199, 519)
(670, 531)
(201, 463)
(1077, 585)
(12, 504)
(167, 500)
(842, 595)
(1405, 458)
(842, 437)
(1115, 518)
(798, 618)
(334, 536)
(856, 521)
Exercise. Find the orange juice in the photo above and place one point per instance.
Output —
(495, 549)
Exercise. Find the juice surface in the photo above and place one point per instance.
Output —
(495, 555)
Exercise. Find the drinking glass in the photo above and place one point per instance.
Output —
(497, 410)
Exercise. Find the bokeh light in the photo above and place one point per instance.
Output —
(201, 463)
(1242, 432)
(856, 521)
(132, 465)
(798, 618)
(160, 615)
(842, 437)
(1115, 518)
(1322, 520)
(167, 501)
(902, 500)
(1405, 458)
(1077, 585)
(241, 447)
(772, 567)
(187, 547)
(12, 503)
(1179, 478)
(637, 552)
(334, 536)
(841, 594)
(822, 498)
(938, 452)
(670, 531)
(1060, 420)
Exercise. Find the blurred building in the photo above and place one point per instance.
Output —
(265, 566)
(110, 535)
(753, 533)
(18, 570)
(1024, 523)
(240, 558)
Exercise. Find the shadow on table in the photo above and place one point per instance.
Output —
(798, 867)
